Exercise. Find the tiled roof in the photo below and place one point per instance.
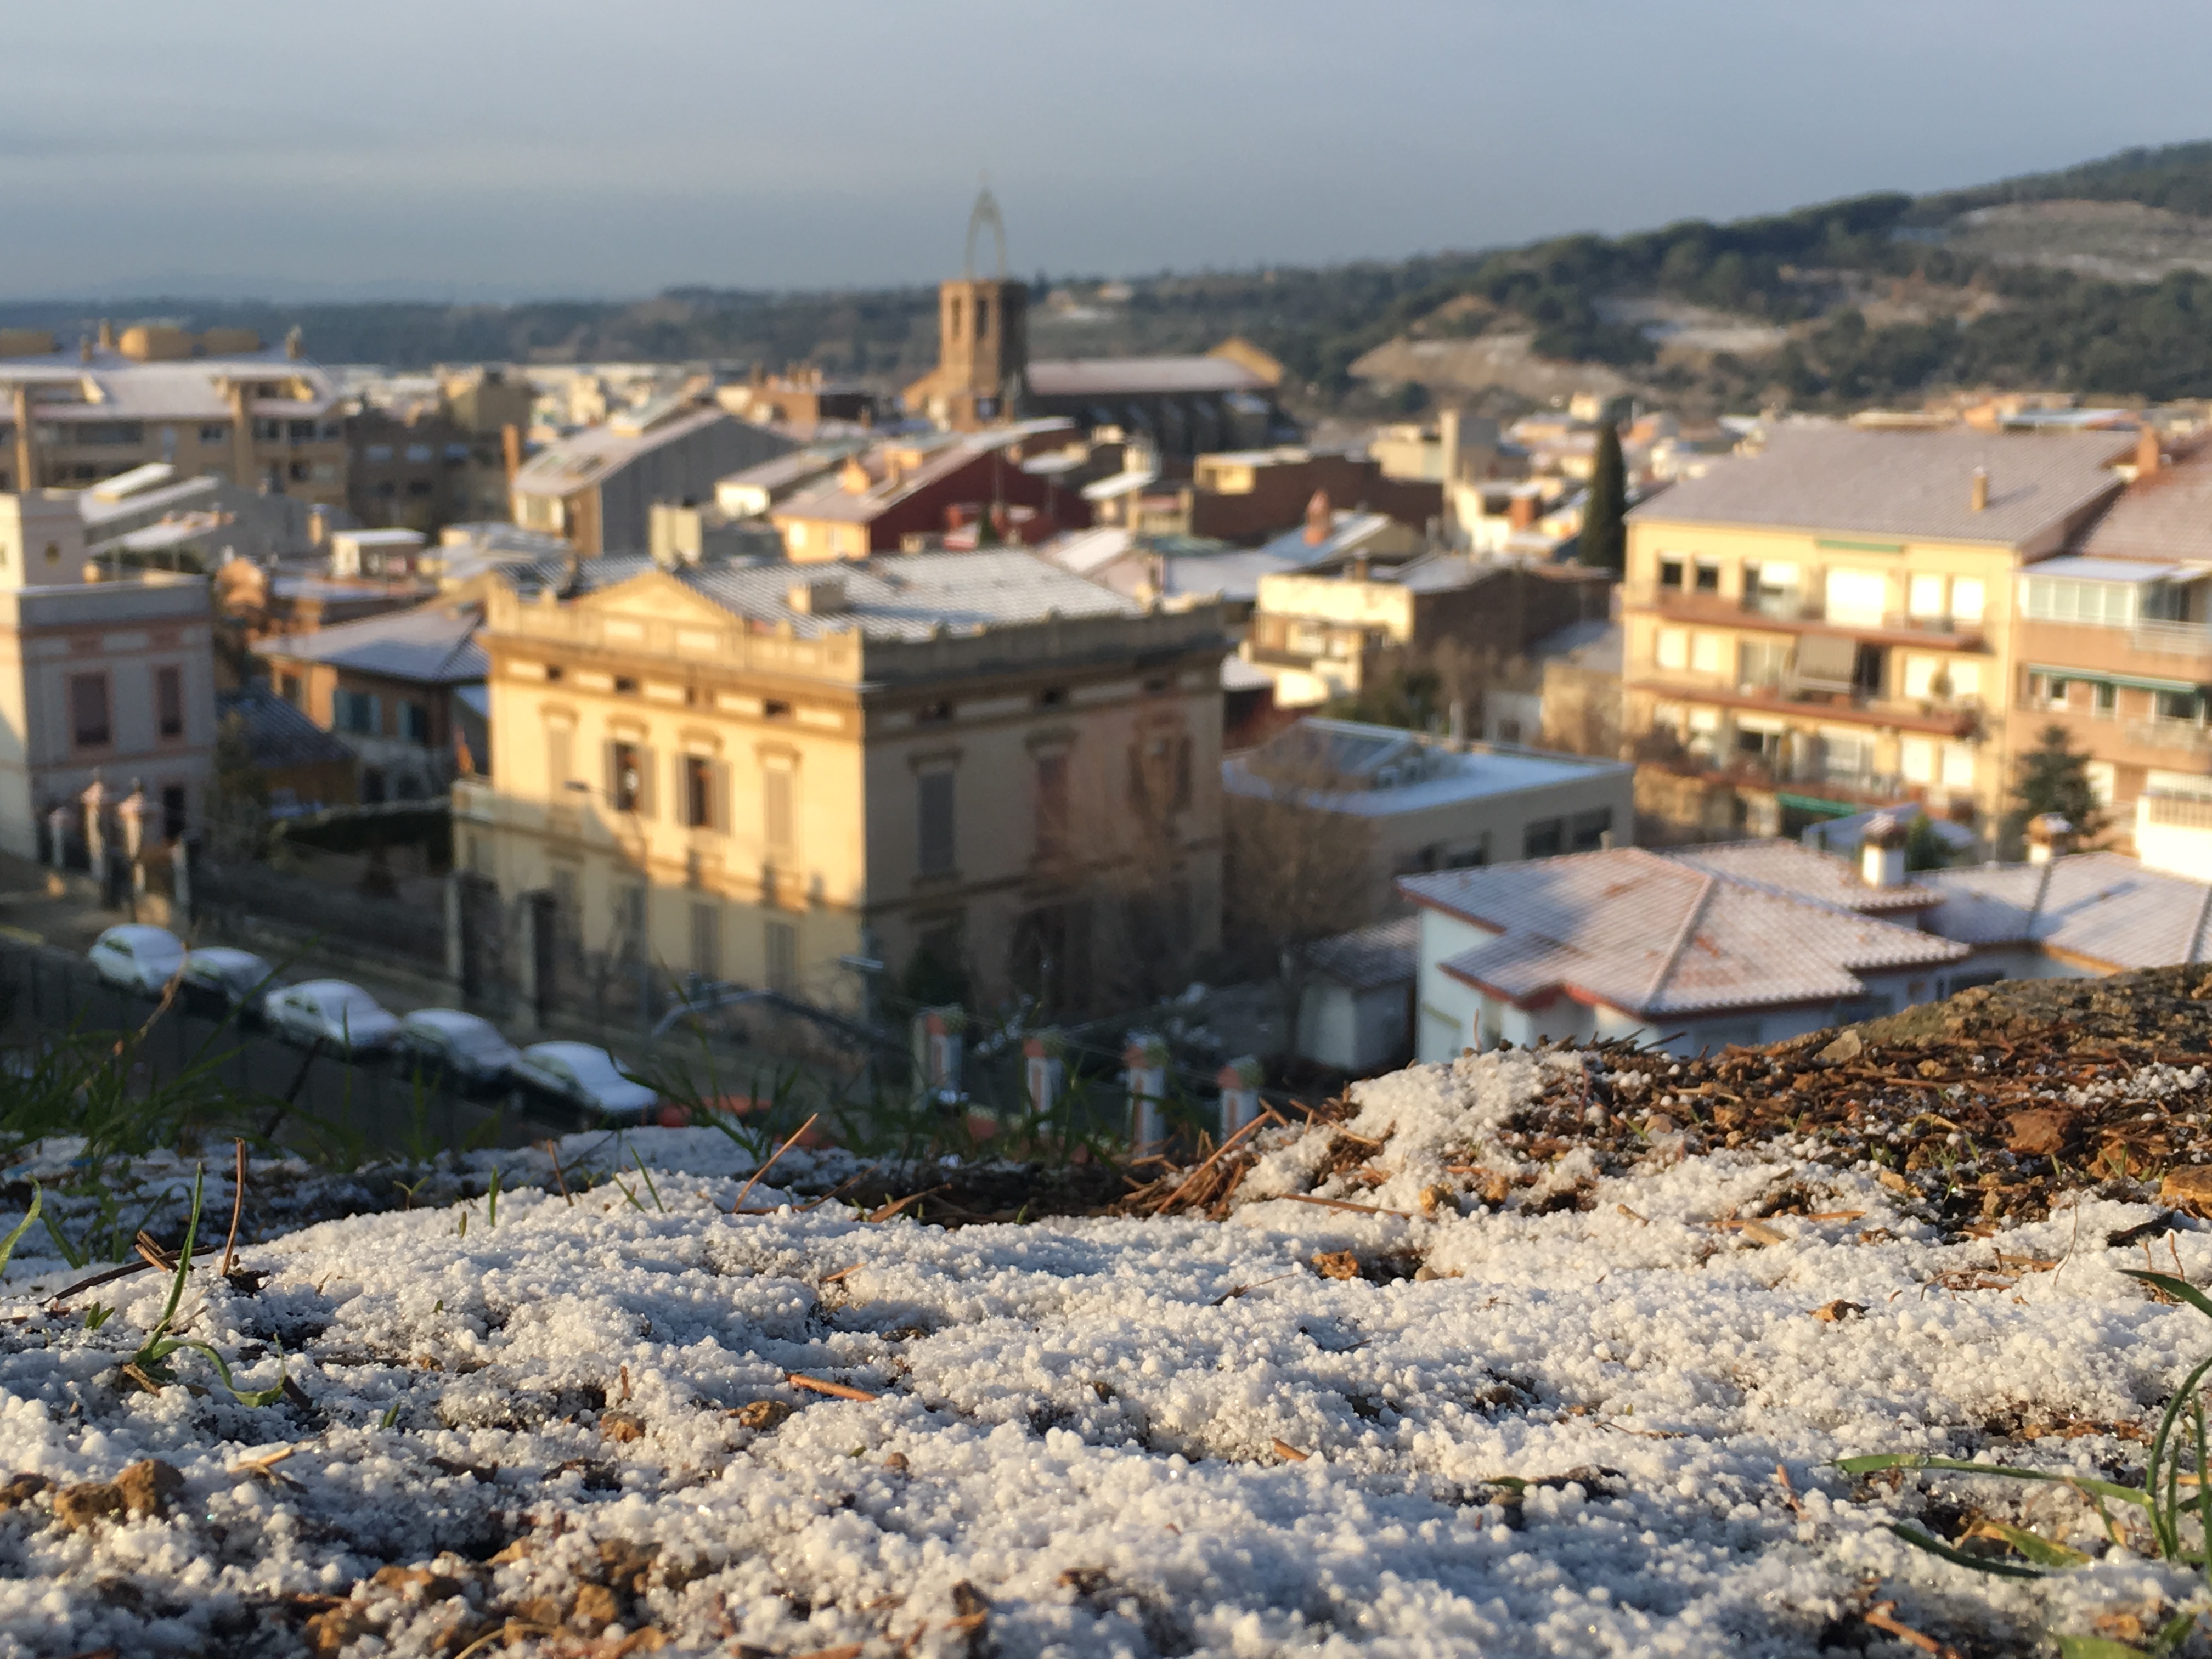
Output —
(183, 389)
(830, 500)
(433, 644)
(1368, 958)
(586, 456)
(2101, 906)
(1907, 485)
(1655, 937)
(898, 596)
(2161, 519)
(1787, 866)
(1140, 377)
(277, 733)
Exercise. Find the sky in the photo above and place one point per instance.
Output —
(486, 149)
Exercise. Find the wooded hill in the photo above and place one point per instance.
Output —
(2095, 279)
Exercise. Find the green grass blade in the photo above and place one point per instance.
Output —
(491, 1208)
(2037, 1549)
(2095, 1647)
(1880, 1460)
(2203, 1485)
(184, 1256)
(8, 1244)
(2166, 1515)
(257, 1398)
(639, 1160)
(1920, 1539)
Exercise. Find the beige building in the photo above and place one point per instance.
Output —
(596, 489)
(766, 774)
(105, 679)
(211, 403)
(1827, 623)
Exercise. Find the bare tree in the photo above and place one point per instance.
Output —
(1298, 870)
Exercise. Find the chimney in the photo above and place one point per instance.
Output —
(84, 348)
(2049, 837)
(295, 345)
(1521, 510)
(1359, 567)
(2148, 458)
(510, 449)
(1981, 496)
(1447, 446)
(1457, 717)
(1320, 520)
(1881, 851)
(107, 335)
(824, 596)
(854, 477)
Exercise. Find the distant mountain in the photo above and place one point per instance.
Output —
(2095, 279)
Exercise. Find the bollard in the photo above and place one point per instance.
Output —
(1147, 1057)
(1240, 1081)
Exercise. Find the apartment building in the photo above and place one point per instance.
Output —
(2114, 638)
(216, 402)
(100, 680)
(446, 458)
(596, 489)
(777, 775)
(1828, 623)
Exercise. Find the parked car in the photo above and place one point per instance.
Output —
(330, 1011)
(138, 956)
(469, 1049)
(588, 1078)
(223, 979)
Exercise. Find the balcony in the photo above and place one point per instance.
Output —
(1794, 611)
(2171, 639)
(2187, 737)
(1785, 696)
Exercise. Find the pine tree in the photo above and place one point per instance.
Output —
(1605, 535)
(2054, 777)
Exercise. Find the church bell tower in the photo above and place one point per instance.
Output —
(982, 335)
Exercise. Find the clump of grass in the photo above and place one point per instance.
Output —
(148, 1367)
(2177, 1458)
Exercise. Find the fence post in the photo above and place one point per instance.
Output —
(1240, 1093)
(1146, 1058)
(938, 1051)
(1042, 1070)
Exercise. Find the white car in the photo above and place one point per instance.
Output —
(588, 1078)
(138, 956)
(468, 1049)
(236, 979)
(330, 1011)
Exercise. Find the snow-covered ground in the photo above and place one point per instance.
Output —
(1599, 1430)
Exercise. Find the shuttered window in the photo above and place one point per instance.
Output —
(779, 826)
(935, 823)
(89, 721)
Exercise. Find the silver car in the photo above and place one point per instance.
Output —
(331, 1011)
(588, 1078)
(138, 956)
(236, 979)
(468, 1050)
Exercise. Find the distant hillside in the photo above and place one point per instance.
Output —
(2094, 279)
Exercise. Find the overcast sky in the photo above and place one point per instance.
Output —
(495, 149)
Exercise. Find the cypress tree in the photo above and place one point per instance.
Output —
(1605, 535)
(2054, 777)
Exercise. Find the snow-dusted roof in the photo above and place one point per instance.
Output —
(1655, 937)
(2102, 906)
(1370, 958)
(1787, 866)
(435, 644)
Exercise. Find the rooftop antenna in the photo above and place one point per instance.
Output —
(985, 212)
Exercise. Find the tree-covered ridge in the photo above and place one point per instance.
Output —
(1810, 275)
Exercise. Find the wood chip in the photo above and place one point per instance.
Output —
(1838, 1310)
(1285, 1450)
(819, 1385)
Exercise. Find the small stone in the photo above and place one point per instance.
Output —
(2187, 1188)
(622, 1426)
(328, 1633)
(1432, 1200)
(762, 1414)
(79, 1506)
(895, 1461)
(2035, 1134)
(148, 1487)
(1336, 1264)
(1836, 1312)
(597, 1606)
(1848, 1047)
(544, 1611)
(968, 1600)
(22, 1489)
(627, 1564)
(1894, 1181)
(1660, 1124)
(434, 1586)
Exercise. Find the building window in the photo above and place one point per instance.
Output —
(775, 709)
(1544, 838)
(782, 941)
(2171, 706)
(2108, 700)
(356, 712)
(1674, 649)
(173, 810)
(214, 434)
(626, 685)
(934, 822)
(628, 767)
(779, 828)
(706, 940)
(559, 756)
(1052, 805)
(1589, 830)
(698, 792)
(415, 722)
(1672, 570)
(288, 688)
(169, 701)
(89, 721)
(1709, 576)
